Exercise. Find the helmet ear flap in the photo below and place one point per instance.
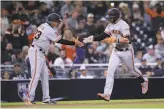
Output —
(49, 22)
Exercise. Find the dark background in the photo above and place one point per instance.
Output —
(87, 89)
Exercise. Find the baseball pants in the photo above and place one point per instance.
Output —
(116, 57)
(39, 70)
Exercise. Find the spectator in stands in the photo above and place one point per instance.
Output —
(100, 53)
(151, 56)
(122, 71)
(39, 15)
(158, 66)
(138, 57)
(30, 31)
(156, 13)
(136, 12)
(159, 47)
(24, 51)
(8, 54)
(80, 55)
(90, 25)
(100, 25)
(4, 21)
(16, 35)
(20, 17)
(17, 74)
(72, 20)
(3, 43)
(144, 68)
(84, 74)
(6, 75)
(18, 58)
(125, 11)
(31, 7)
(67, 8)
(81, 31)
(105, 73)
(51, 54)
(81, 8)
(160, 72)
(100, 9)
(62, 60)
(90, 55)
(69, 50)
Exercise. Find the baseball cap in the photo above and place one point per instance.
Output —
(16, 64)
(159, 58)
(143, 60)
(90, 15)
(135, 5)
(150, 47)
(103, 19)
(82, 67)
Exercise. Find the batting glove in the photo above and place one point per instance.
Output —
(88, 39)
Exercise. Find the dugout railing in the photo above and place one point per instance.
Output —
(95, 70)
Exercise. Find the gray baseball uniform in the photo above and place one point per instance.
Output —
(44, 35)
(121, 53)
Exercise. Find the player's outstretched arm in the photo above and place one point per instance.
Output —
(66, 42)
(106, 38)
(96, 38)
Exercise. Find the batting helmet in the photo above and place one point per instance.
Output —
(53, 17)
(113, 14)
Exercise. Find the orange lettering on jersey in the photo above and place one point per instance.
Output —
(117, 32)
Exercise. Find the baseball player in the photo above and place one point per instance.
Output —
(118, 33)
(45, 34)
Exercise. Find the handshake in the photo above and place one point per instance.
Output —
(111, 39)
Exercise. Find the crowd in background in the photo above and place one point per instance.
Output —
(19, 21)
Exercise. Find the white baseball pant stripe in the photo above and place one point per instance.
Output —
(127, 57)
(38, 70)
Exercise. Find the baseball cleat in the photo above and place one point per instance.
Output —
(144, 86)
(28, 102)
(49, 102)
(103, 96)
(33, 102)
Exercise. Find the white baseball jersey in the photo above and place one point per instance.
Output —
(44, 35)
(120, 29)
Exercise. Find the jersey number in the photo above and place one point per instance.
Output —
(37, 34)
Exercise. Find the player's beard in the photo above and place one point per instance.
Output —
(112, 20)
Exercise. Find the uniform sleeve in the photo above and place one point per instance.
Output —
(54, 36)
(125, 30)
(66, 42)
(101, 37)
(107, 30)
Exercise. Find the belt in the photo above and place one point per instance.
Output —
(122, 49)
(39, 48)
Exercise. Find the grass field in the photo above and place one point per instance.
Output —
(139, 103)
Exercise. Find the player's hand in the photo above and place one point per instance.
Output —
(78, 43)
(124, 40)
(88, 39)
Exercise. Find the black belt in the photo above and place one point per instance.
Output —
(39, 49)
(123, 49)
